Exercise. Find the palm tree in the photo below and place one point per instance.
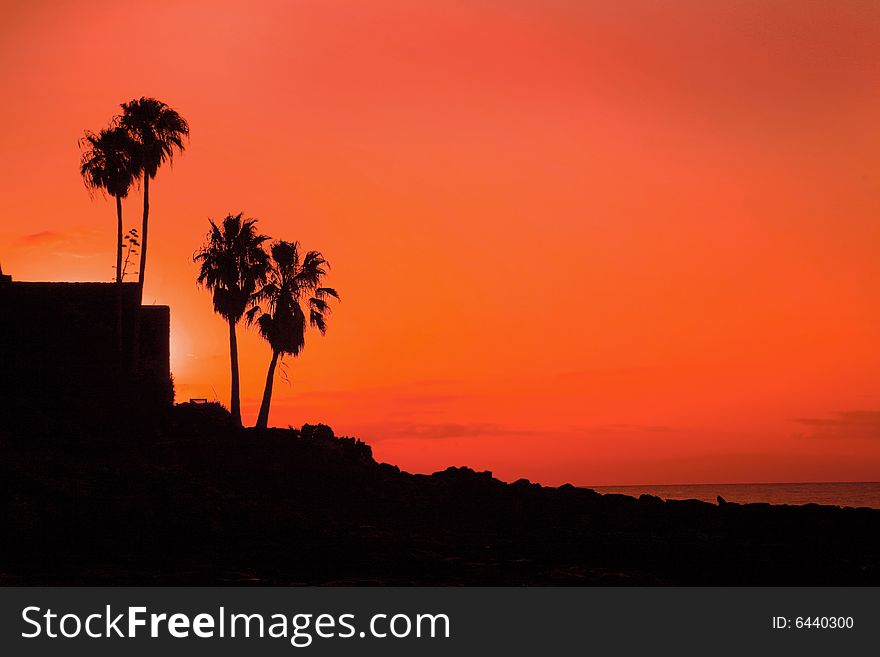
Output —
(292, 283)
(107, 166)
(234, 266)
(157, 131)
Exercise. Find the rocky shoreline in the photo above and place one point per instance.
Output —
(203, 503)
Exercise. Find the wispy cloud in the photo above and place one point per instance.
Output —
(74, 244)
(43, 237)
(862, 425)
(604, 373)
(397, 396)
(435, 431)
(443, 430)
(652, 428)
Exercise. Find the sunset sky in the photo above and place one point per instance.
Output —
(598, 242)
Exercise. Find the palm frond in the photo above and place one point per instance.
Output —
(291, 281)
(251, 315)
(322, 292)
(318, 320)
(158, 130)
(107, 162)
(233, 264)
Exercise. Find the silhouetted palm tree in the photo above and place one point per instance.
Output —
(157, 131)
(292, 283)
(107, 166)
(234, 266)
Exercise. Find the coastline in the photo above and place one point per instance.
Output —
(843, 494)
(203, 504)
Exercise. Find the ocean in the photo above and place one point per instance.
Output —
(841, 494)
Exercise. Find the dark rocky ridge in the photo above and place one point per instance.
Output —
(202, 503)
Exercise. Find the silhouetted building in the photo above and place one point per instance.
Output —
(65, 364)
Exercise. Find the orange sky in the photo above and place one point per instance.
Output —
(605, 243)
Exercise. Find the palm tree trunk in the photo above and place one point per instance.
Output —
(234, 401)
(118, 239)
(144, 226)
(119, 281)
(263, 418)
(136, 332)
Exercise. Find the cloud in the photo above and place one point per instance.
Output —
(652, 428)
(603, 373)
(410, 401)
(400, 398)
(416, 392)
(442, 430)
(842, 425)
(41, 238)
(74, 244)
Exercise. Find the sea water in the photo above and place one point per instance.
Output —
(840, 494)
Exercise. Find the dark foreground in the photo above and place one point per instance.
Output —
(207, 505)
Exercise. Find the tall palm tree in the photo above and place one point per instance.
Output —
(158, 131)
(107, 166)
(234, 266)
(293, 286)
